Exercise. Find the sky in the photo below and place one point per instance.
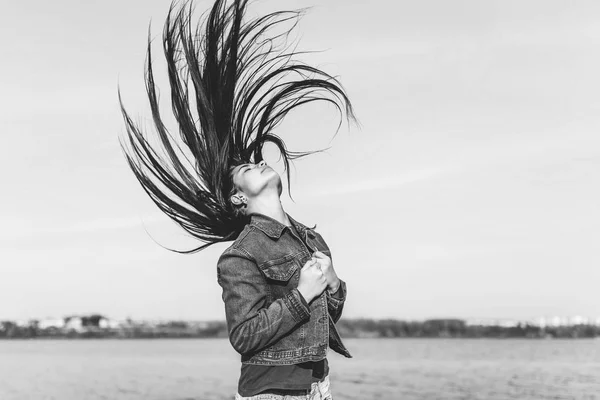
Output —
(469, 190)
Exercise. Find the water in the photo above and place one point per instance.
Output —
(206, 369)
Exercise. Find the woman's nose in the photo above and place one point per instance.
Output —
(262, 163)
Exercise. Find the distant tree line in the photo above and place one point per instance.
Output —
(349, 328)
(456, 328)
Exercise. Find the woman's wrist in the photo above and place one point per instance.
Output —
(305, 296)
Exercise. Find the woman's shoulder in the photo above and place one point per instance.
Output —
(239, 245)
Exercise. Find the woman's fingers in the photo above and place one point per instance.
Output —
(309, 263)
(319, 254)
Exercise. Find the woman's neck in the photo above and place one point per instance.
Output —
(269, 205)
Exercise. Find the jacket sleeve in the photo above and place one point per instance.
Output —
(335, 302)
(251, 324)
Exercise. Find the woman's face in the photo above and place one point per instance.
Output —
(252, 179)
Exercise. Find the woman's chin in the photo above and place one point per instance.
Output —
(270, 173)
(275, 180)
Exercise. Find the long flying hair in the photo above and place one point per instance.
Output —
(231, 82)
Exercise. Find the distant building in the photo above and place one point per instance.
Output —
(541, 322)
(508, 323)
(579, 320)
(51, 323)
(555, 321)
(106, 323)
(74, 324)
(91, 322)
(505, 323)
(481, 322)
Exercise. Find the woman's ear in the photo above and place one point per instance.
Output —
(238, 199)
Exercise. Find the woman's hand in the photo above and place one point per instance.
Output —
(333, 282)
(312, 280)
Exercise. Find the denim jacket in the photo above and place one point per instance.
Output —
(268, 320)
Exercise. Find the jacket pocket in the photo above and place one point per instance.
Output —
(280, 270)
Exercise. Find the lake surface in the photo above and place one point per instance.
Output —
(205, 369)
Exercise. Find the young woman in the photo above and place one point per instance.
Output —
(232, 81)
(281, 293)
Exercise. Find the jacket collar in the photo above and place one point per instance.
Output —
(273, 228)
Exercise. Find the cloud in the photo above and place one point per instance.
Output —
(381, 183)
(22, 228)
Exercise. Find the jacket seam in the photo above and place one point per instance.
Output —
(244, 252)
(297, 309)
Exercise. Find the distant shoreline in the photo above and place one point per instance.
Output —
(73, 339)
(98, 327)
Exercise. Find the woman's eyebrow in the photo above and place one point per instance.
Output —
(244, 166)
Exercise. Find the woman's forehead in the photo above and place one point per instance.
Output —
(238, 168)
